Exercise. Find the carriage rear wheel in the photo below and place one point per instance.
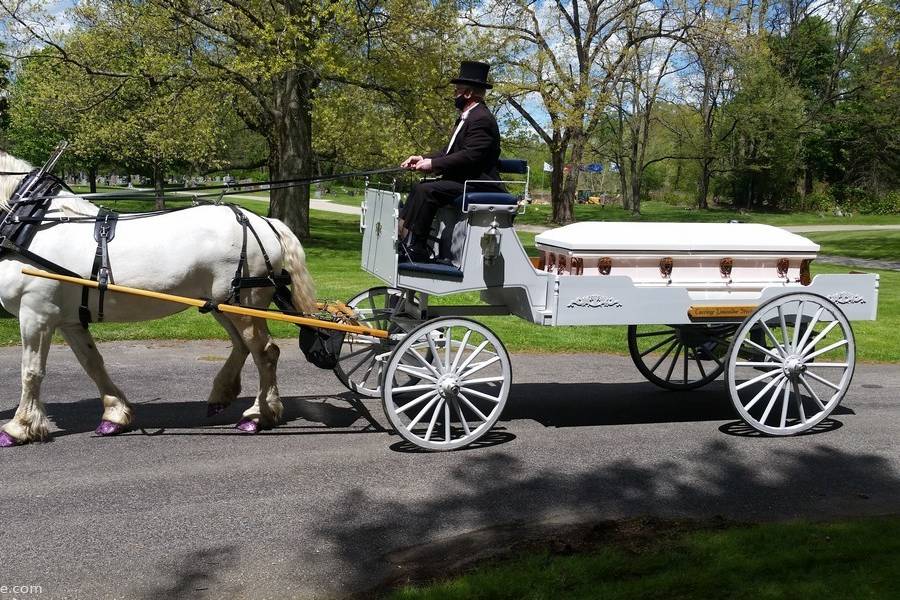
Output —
(358, 368)
(791, 363)
(462, 377)
(680, 357)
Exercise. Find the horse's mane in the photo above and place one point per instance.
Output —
(69, 204)
(8, 183)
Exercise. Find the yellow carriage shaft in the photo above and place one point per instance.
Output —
(225, 308)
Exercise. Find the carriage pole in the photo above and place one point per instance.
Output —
(225, 308)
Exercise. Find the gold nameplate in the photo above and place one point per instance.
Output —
(726, 311)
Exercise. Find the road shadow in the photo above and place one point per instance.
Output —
(194, 574)
(487, 504)
(593, 404)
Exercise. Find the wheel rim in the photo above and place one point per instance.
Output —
(358, 367)
(680, 357)
(791, 364)
(463, 374)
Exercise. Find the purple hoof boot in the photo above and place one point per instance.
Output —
(109, 428)
(248, 425)
(214, 409)
(8, 441)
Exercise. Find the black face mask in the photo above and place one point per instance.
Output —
(460, 102)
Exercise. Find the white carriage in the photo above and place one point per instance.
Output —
(698, 299)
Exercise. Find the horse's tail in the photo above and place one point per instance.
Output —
(303, 293)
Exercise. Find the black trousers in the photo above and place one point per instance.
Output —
(427, 197)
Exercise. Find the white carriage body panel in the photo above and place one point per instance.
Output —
(378, 222)
(740, 257)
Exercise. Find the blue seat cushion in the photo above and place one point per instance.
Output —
(441, 270)
(512, 165)
(497, 198)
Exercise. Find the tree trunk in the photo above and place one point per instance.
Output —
(623, 186)
(290, 149)
(562, 212)
(92, 178)
(159, 185)
(703, 185)
(807, 181)
(566, 205)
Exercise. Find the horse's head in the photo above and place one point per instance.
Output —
(8, 183)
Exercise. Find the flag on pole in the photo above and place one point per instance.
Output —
(548, 167)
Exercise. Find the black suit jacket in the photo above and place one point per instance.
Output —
(475, 150)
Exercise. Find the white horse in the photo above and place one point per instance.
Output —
(193, 252)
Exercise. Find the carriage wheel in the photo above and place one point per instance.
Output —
(464, 377)
(680, 357)
(357, 367)
(790, 363)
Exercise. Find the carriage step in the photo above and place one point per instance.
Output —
(438, 269)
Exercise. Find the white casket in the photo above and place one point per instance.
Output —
(695, 255)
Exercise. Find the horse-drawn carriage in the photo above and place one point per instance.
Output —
(699, 300)
(732, 298)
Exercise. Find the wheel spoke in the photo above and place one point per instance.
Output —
(417, 400)
(674, 361)
(686, 350)
(448, 347)
(472, 356)
(784, 405)
(434, 352)
(479, 366)
(797, 322)
(699, 363)
(823, 381)
(812, 392)
(810, 327)
(474, 392)
(495, 379)
(649, 350)
(421, 414)
(413, 388)
(462, 418)
(415, 372)
(828, 365)
(772, 399)
(796, 387)
(784, 330)
(774, 339)
(827, 348)
(358, 365)
(434, 416)
(422, 360)
(756, 364)
(762, 393)
(757, 379)
(819, 337)
(446, 421)
(474, 408)
(774, 355)
(462, 346)
(663, 357)
(369, 348)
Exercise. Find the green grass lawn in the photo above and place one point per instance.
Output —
(877, 245)
(333, 255)
(844, 559)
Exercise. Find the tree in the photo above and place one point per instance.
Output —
(563, 59)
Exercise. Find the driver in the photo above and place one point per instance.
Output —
(472, 153)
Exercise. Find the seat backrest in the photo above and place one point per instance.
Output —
(512, 165)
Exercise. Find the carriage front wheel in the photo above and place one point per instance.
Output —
(791, 363)
(446, 383)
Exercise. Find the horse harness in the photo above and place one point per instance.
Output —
(30, 202)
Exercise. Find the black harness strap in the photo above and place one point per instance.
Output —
(239, 281)
(101, 271)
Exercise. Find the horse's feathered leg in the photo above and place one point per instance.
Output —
(30, 421)
(117, 413)
(267, 409)
(227, 384)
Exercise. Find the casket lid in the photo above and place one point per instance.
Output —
(724, 238)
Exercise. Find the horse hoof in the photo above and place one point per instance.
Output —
(8, 441)
(214, 409)
(248, 426)
(106, 428)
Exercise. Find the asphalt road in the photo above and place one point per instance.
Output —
(329, 503)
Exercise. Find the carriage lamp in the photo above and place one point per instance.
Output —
(490, 243)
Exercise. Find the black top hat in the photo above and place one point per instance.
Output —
(473, 73)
